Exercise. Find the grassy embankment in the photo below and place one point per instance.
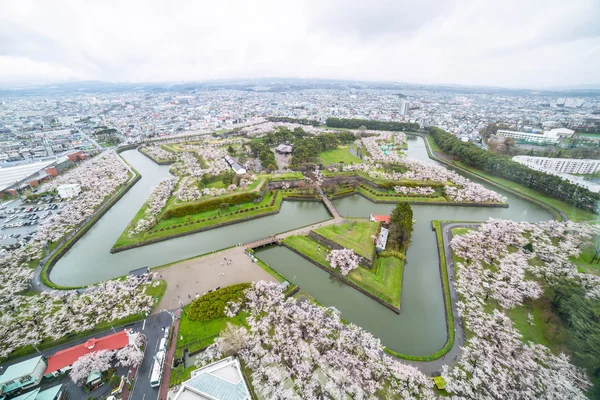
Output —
(340, 155)
(383, 281)
(177, 225)
(583, 262)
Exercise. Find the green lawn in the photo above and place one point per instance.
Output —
(583, 262)
(287, 176)
(217, 185)
(341, 154)
(357, 236)
(199, 334)
(383, 281)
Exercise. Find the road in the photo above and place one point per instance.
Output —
(152, 328)
(154, 332)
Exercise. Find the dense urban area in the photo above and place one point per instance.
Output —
(299, 239)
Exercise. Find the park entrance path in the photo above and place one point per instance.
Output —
(199, 275)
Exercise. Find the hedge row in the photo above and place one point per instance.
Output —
(212, 305)
(193, 208)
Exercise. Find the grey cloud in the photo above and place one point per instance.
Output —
(376, 18)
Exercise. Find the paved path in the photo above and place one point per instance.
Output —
(166, 378)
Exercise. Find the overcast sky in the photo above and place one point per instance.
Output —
(512, 43)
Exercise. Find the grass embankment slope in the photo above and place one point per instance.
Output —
(357, 236)
(383, 281)
(584, 261)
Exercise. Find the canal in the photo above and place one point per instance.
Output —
(418, 330)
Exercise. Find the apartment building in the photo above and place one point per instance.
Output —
(566, 165)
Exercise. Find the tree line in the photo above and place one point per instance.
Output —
(301, 121)
(354, 123)
(581, 314)
(306, 147)
(504, 167)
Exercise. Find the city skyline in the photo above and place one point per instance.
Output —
(546, 44)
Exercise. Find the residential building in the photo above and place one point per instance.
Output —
(566, 165)
(381, 241)
(221, 380)
(404, 107)
(62, 361)
(23, 375)
(69, 190)
(53, 393)
(384, 219)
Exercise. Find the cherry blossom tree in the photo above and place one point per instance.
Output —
(301, 350)
(344, 259)
(98, 361)
(129, 357)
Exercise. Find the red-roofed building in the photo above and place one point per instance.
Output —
(384, 219)
(64, 359)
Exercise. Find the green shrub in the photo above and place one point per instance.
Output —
(193, 208)
(391, 253)
(212, 305)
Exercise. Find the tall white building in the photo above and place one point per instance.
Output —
(566, 165)
(404, 107)
(548, 137)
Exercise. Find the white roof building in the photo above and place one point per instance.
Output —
(221, 380)
(69, 190)
(10, 176)
(552, 136)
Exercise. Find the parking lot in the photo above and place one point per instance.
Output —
(19, 219)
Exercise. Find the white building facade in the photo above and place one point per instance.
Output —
(68, 191)
(566, 165)
(548, 137)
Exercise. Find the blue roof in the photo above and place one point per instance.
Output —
(18, 370)
(48, 394)
(219, 388)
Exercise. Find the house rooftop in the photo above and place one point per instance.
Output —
(380, 218)
(221, 380)
(67, 357)
(18, 370)
(39, 394)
